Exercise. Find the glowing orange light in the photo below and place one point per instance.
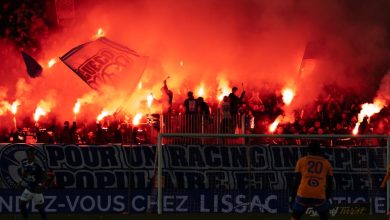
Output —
(100, 33)
(368, 110)
(224, 89)
(76, 108)
(137, 118)
(51, 62)
(355, 131)
(4, 106)
(181, 63)
(201, 91)
(14, 107)
(102, 115)
(39, 111)
(288, 95)
(274, 125)
(140, 85)
(150, 98)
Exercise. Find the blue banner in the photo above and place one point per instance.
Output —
(194, 201)
(197, 178)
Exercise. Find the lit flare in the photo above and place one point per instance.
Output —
(102, 115)
(150, 99)
(14, 107)
(224, 89)
(100, 33)
(137, 118)
(274, 125)
(51, 62)
(288, 96)
(76, 108)
(201, 90)
(39, 111)
(368, 110)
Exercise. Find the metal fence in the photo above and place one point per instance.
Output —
(203, 124)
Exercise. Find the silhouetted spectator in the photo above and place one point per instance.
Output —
(235, 101)
(225, 115)
(166, 99)
(99, 134)
(68, 133)
(190, 104)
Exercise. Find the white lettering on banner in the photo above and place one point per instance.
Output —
(267, 202)
(152, 201)
(168, 203)
(49, 203)
(120, 202)
(87, 206)
(203, 204)
(238, 204)
(380, 205)
(100, 201)
(343, 199)
(196, 166)
(17, 204)
(134, 204)
(216, 203)
(227, 201)
(6, 205)
(171, 203)
(183, 200)
(73, 205)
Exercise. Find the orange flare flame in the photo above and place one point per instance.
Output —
(274, 125)
(102, 115)
(14, 107)
(76, 108)
(355, 131)
(100, 33)
(224, 89)
(39, 111)
(137, 118)
(368, 110)
(201, 92)
(288, 95)
(4, 106)
(51, 62)
(150, 99)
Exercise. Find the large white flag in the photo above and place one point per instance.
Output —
(103, 62)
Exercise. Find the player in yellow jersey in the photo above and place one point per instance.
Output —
(312, 184)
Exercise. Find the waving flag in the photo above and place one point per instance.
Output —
(33, 67)
(313, 51)
(104, 62)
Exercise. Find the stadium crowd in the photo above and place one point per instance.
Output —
(24, 24)
(333, 113)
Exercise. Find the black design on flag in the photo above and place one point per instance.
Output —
(105, 63)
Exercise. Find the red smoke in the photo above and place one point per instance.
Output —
(257, 43)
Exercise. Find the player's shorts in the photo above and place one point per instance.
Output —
(37, 198)
(301, 204)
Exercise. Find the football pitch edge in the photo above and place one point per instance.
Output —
(179, 217)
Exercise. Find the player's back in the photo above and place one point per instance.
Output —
(314, 171)
(33, 172)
